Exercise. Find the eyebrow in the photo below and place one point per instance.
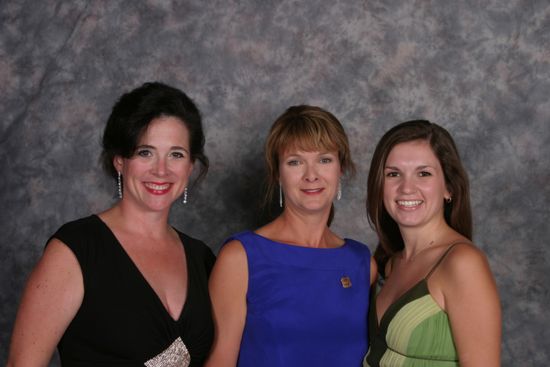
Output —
(299, 154)
(417, 168)
(177, 147)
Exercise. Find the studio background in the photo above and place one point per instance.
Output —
(481, 69)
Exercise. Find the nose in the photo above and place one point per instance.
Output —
(407, 185)
(160, 167)
(310, 173)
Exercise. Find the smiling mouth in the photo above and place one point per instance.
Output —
(312, 191)
(157, 187)
(409, 203)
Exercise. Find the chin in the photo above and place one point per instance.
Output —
(317, 208)
(158, 207)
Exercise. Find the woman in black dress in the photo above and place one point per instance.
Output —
(123, 287)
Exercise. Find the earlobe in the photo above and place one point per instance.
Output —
(447, 193)
(448, 197)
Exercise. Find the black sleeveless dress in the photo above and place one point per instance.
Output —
(121, 321)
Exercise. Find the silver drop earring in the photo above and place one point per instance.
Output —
(119, 184)
(280, 195)
(339, 194)
(184, 196)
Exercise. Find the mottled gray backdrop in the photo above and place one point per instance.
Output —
(479, 68)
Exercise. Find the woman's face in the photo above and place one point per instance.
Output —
(309, 179)
(414, 185)
(158, 172)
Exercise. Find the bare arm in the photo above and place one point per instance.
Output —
(472, 303)
(228, 287)
(373, 271)
(52, 296)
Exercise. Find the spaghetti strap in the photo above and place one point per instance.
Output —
(453, 244)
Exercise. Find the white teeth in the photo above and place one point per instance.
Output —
(409, 202)
(156, 187)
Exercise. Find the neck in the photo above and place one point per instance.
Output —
(417, 239)
(305, 230)
(132, 220)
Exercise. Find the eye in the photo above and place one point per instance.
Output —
(326, 160)
(144, 153)
(424, 174)
(177, 154)
(293, 162)
(392, 174)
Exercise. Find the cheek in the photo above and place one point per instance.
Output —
(288, 174)
(286, 180)
(387, 195)
(387, 200)
(134, 167)
(439, 189)
(330, 173)
(387, 189)
(184, 170)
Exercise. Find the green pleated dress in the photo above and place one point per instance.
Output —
(413, 332)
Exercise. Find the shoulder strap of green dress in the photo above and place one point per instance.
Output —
(453, 244)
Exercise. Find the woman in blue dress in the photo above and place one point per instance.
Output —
(294, 293)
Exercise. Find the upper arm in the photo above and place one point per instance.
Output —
(51, 298)
(228, 286)
(373, 271)
(209, 260)
(472, 303)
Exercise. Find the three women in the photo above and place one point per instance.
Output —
(290, 293)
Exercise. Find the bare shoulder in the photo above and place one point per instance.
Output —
(464, 272)
(464, 260)
(57, 274)
(58, 256)
(231, 263)
(54, 288)
(232, 251)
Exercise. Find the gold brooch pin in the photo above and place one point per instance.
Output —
(346, 282)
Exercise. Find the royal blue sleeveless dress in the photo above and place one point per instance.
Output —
(305, 306)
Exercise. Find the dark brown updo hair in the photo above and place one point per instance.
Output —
(133, 113)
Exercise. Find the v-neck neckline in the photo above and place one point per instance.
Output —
(398, 300)
(142, 277)
(422, 282)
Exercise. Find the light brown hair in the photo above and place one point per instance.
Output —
(307, 128)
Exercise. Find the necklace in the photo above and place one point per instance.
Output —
(419, 252)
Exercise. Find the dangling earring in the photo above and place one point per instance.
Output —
(184, 196)
(339, 194)
(119, 184)
(280, 195)
(448, 200)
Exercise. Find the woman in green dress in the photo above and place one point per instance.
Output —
(439, 304)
